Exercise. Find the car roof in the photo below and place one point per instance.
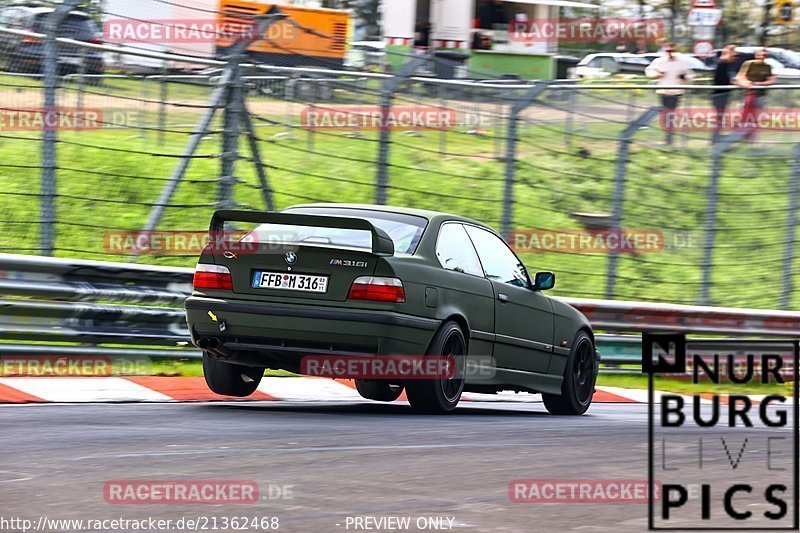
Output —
(424, 213)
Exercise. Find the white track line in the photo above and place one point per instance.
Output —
(81, 390)
(308, 390)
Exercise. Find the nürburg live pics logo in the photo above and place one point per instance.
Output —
(724, 460)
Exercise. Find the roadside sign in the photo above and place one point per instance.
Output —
(784, 12)
(703, 33)
(678, 444)
(704, 16)
(703, 49)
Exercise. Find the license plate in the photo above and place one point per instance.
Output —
(290, 282)
(76, 61)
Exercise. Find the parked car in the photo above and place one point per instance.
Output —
(697, 65)
(24, 54)
(610, 64)
(381, 281)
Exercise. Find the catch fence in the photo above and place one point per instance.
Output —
(575, 174)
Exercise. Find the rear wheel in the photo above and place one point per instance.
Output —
(230, 380)
(380, 391)
(441, 395)
(580, 377)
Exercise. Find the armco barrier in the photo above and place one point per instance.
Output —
(91, 302)
(95, 303)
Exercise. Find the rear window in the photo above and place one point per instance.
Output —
(404, 230)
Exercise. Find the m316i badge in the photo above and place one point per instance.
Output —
(348, 263)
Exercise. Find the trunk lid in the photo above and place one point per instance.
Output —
(296, 256)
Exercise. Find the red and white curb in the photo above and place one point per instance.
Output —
(17, 390)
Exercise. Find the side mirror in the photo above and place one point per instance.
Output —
(544, 281)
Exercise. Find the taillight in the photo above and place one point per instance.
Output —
(212, 277)
(96, 40)
(377, 289)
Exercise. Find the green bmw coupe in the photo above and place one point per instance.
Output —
(339, 280)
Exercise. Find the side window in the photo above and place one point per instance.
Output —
(455, 250)
(499, 262)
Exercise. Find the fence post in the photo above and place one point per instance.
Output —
(252, 137)
(619, 191)
(718, 150)
(49, 136)
(525, 100)
(143, 110)
(791, 229)
(498, 124)
(569, 122)
(388, 87)
(442, 131)
(221, 96)
(81, 80)
(163, 96)
(232, 117)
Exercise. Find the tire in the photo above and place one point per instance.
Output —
(580, 378)
(228, 379)
(439, 396)
(380, 391)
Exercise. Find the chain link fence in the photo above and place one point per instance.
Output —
(577, 176)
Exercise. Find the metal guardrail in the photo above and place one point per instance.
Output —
(92, 303)
(121, 308)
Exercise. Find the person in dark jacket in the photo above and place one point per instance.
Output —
(725, 74)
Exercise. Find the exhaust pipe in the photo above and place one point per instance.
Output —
(216, 347)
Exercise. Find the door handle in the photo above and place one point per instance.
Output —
(502, 297)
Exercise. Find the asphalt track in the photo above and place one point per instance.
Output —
(341, 459)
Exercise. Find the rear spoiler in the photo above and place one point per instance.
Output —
(382, 244)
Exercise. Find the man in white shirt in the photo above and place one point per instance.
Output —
(669, 69)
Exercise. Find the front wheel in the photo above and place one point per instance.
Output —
(441, 395)
(580, 378)
(228, 379)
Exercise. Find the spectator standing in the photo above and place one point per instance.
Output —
(725, 73)
(669, 69)
(754, 74)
